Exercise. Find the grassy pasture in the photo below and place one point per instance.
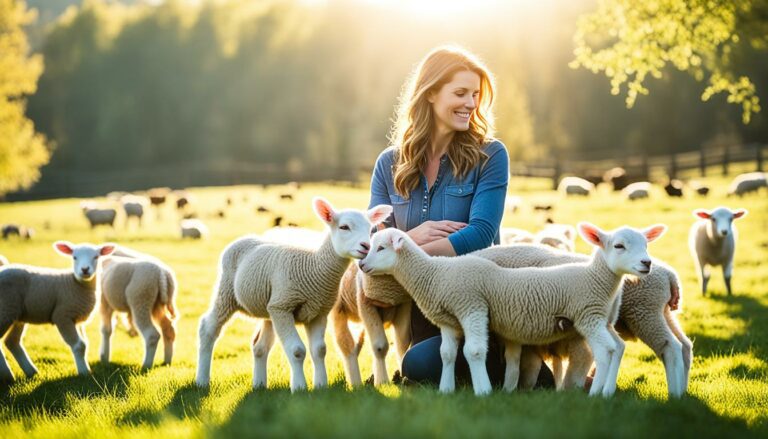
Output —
(729, 377)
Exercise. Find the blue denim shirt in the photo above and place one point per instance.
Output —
(477, 199)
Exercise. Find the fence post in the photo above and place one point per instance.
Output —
(672, 166)
(702, 162)
(556, 174)
(759, 158)
(726, 157)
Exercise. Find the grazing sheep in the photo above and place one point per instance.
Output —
(559, 236)
(98, 216)
(158, 195)
(285, 285)
(133, 207)
(353, 305)
(183, 199)
(468, 294)
(512, 235)
(674, 188)
(39, 295)
(143, 287)
(646, 312)
(617, 177)
(20, 231)
(575, 186)
(746, 183)
(194, 229)
(712, 241)
(636, 191)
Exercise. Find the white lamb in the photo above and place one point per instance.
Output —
(646, 312)
(512, 235)
(712, 241)
(352, 305)
(134, 207)
(459, 294)
(284, 285)
(97, 216)
(193, 228)
(143, 287)
(575, 186)
(749, 182)
(39, 295)
(559, 236)
(636, 191)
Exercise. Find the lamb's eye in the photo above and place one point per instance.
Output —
(381, 247)
(344, 227)
(619, 246)
(74, 257)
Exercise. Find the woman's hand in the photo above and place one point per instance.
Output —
(429, 231)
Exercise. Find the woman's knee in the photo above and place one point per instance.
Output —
(422, 363)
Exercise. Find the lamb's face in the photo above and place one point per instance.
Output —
(720, 220)
(351, 229)
(625, 249)
(85, 257)
(383, 255)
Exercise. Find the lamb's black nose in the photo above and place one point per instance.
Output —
(646, 262)
(365, 245)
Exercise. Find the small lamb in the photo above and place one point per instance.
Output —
(575, 186)
(637, 191)
(712, 241)
(470, 294)
(749, 182)
(283, 285)
(193, 228)
(39, 295)
(143, 287)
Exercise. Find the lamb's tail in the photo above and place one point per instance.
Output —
(168, 292)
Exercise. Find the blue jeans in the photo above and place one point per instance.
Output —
(422, 364)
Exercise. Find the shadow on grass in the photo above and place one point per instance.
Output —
(51, 396)
(754, 339)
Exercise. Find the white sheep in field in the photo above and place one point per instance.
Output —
(559, 236)
(285, 285)
(646, 312)
(749, 182)
(575, 186)
(352, 305)
(98, 216)
(193, 228)
(37, 295)
(143, 287)
(512, 235)
(469, 295)
(637, 191)
(134, 207)
(712, 241)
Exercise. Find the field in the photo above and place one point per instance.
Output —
(729, 378)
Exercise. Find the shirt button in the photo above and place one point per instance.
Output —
(423, 210)
(460, 190)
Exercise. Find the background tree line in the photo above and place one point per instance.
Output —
(298, 85)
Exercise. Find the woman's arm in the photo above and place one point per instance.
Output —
(487, 205)
(440, 247)
(379, 191)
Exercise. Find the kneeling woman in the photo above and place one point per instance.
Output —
(446, 178)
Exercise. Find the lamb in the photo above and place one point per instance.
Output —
(746, 183)
(712, 241)
(98, 216)
(20, 231)
(133, 207)
(617, 177)
(469, 294)
(145, 288)
(193, 228)
(284, 285)
(559, 236)
(39, 295)
(646, 312)
(636, 191)
(352, 305)
(575, 186)
(674, 188)
(511, 235)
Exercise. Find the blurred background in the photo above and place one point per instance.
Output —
(100, 95)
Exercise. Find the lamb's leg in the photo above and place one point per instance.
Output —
(512, 352)
(374, 326)
(530, 366)
(13, 343)
(616, 356)
(285, 327)
(71, 336)
(704, 274)
(5, 372)
(579, 362)
(317, 350)
(142, 318)
(347, 347)
(106, 330)
(603, 346)
(402, 324)
(168, 330)
(558, 371)
(687, 347)
(659, 337)
(475, 328)
(262, 345)
(449, 347)
(727, 272)
(208, 331)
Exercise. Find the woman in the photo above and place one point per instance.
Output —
(446, 178)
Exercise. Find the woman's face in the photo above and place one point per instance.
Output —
(454, 103)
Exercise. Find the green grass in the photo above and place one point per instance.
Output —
(729, 378)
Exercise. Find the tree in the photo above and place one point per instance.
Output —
(628, 40)
(22, 150)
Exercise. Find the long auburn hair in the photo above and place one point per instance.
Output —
(412, 131)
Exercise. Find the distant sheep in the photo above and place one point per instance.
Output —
(674, 188)
(133, 207)
(158, 195)
(575, 186)
(192, 228)
(511, 235)
(746, 183)
(637, 191)
(18, 230)
(617, 177)
(712, 241)
(98, 216)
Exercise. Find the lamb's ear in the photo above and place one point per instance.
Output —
(379, 213)
(592, 234)
(323, 209)
(63, 247)
(701, 213)
(107, 249)
(654, 232)
(398, 241)
(738, 213)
